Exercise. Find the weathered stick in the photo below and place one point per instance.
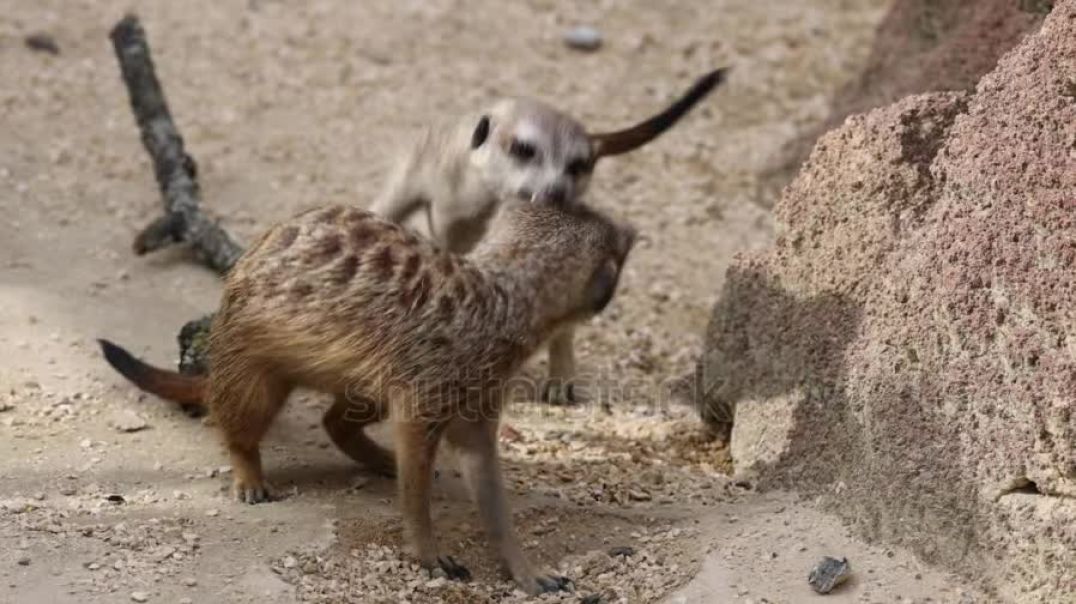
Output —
(183, 220)
(176, 172)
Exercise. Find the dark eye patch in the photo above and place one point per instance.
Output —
(522, 150)
(578, 167)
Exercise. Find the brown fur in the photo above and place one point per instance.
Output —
(340, 301)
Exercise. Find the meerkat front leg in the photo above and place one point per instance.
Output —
(416, 447)
(560, 387)
(476, 443)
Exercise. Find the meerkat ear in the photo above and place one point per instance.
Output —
(622, 141)
(626, 237)
(602, 287)
(481, 132)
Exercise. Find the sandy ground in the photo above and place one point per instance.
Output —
(287, 107)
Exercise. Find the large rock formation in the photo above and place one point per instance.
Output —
(907, 350)
(920, 46)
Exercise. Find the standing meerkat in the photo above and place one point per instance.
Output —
(396, 328)
(459, 174)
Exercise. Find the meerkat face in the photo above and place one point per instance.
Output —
(527, 150)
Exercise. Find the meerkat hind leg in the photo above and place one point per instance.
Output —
(345, 423)
(244, 409)
(476, 443)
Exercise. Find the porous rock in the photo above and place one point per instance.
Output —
(906, 351)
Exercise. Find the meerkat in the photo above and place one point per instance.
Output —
(518, 149)
(401, 330)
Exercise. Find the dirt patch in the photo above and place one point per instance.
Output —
(285, 106)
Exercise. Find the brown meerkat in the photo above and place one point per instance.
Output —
(340, 301)
(458, 174)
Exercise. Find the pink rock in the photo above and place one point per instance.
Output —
(907, 350)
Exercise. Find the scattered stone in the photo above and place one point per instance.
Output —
(584, 38)
(622, 550)
(212, 513)
(4, 406)
(116, 499)
(24, 561)
(190, 582)
(128, 421)
(42, 42)
(139, 596)
(828, 574)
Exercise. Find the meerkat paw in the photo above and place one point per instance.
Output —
(384, 471)
(452, 569)
(252, 493)
(562, 393)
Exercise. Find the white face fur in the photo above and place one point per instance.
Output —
(532, 152)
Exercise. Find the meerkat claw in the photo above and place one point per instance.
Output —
(453, 569)
(554, 583)
(252, 495)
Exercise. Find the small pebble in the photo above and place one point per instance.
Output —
(128, 421)
(42, 42)
(139, 596)
(24, 561)
(583, 38)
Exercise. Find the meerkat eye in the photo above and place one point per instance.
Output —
(481, 132)
(523, 151)
(578, 167)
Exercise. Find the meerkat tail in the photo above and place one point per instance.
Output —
(187, 390)
(629, 139)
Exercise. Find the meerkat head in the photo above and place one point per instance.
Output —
(574, 254)
(528, 150)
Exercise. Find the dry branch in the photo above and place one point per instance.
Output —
(176, 172)
(183, 220)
